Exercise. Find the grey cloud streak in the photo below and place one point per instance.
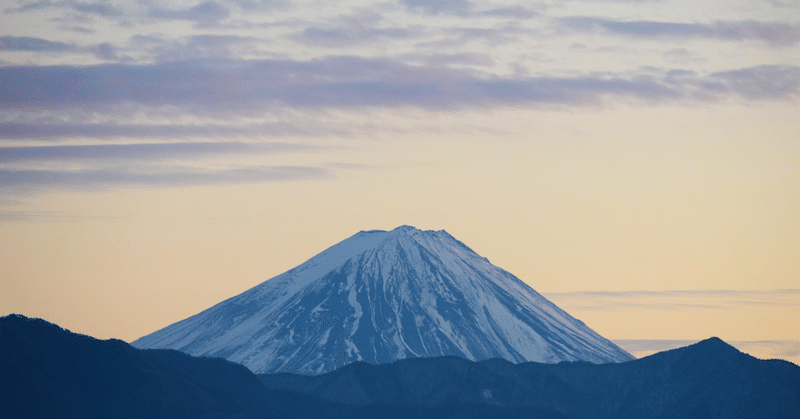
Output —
(675, 300)
(490, 36)
(97, 8)
(352, 34)
(15, 130)
(435, 7)
(773, 33)
(170, 176)
(465, 8)
(208, 11)
(347, 82)
(26, 43)
(141, 151)
(103, 51)
(444, 60)
(46, 130)
(514, 12)
(761, 82)
(354, 29)
(194, 47)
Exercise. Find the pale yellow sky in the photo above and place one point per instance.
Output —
(622, 199)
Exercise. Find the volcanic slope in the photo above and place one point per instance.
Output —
(381, 296)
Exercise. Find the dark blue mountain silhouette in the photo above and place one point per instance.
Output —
(710, 379)
(49, 372)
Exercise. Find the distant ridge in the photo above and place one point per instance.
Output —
(49, 372)
(380, 296)
(709, 379)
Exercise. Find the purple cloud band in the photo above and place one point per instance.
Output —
(773, 33)
(341, 82)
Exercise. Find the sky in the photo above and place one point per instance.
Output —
(635, 161)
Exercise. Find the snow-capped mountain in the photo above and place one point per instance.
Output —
(380, 296)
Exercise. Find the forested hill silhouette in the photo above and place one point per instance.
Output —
(707, 379)
(47, 371)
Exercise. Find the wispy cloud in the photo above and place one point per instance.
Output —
(447, 60)
(156, 48)
(436, 7)
(102, 9)
(26, 43)
(47, 130)
(460, 36)
(154, 176)
(675, 300)
(773, 33)
(514, 12)
(784, 3)
(142, 151)
(76, 28)
(43, 129)
(208, 11)
(763, 82)
(18, 215)
(90, 8)
(466, 8)
(352, 31)
(103, 51)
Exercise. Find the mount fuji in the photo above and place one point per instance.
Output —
(380, 296)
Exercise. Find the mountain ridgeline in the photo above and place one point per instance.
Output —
(382, 296)
(49, 372)
(707, 379)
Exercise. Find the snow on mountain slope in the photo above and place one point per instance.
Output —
(380, 296)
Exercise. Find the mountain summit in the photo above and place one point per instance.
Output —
(380, 296)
